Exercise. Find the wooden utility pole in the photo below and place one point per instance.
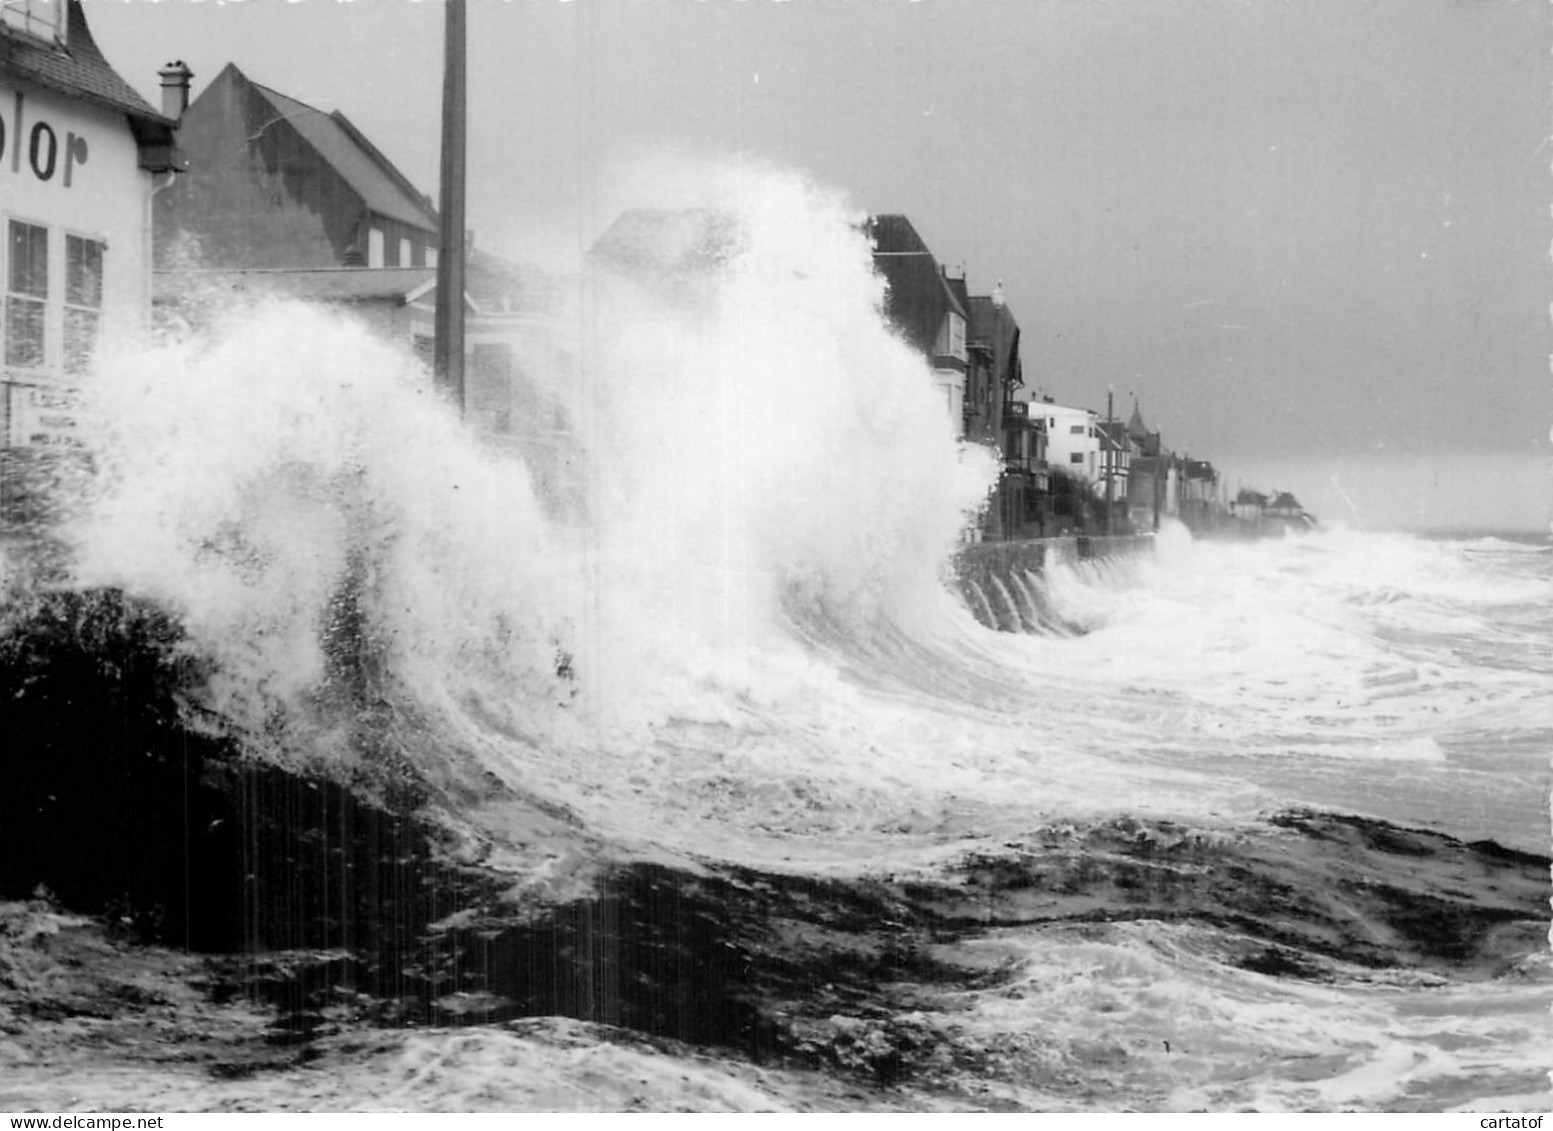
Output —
(448, 343)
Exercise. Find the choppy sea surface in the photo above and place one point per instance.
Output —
(740, 644)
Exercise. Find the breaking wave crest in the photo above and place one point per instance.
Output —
(750, 445)
(723, 618)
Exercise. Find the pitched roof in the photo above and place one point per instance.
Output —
(1112, 433)
(386, 190)
(668, 241)
(993, 325)
(77, 68)
(1135, 426)
(892, 232)
(918, 295)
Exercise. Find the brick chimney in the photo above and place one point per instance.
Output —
(175, 89)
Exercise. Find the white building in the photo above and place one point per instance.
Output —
(79, 154)
(1072, 440)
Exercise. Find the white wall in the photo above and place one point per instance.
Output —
(107, 198)
(93, 188)
(1062, 443)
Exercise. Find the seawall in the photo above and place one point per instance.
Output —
(992, 576)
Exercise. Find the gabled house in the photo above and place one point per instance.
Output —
(282, 199)
(1249, 506)
(925, 306)
(80, 154)
(994, 370)
(1200, 502)
(994, 414)
(1116, 455)
(274, 182)
(1285, 512)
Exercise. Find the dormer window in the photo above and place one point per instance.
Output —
(41, 19)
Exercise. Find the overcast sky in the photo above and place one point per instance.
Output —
(1310, 235)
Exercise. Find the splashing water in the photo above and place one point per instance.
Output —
(724, 629)
(742, 641)
(756, 445)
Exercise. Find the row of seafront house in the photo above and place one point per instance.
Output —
(112, 208)
(1065, 469)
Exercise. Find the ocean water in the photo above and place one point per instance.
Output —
(720, 628)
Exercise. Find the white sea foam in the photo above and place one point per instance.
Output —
(741, 635)
(735, 640)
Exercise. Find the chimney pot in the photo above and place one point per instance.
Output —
(175, 89)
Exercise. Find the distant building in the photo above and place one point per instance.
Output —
(1072, 440)
(80, 152)
(1201, 506)
(1116, 454)
(1248, 507)
(996, 417)
(1284, 512)
(926, 306)
(1149, 494)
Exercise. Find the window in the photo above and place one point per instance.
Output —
(1075, 457)
(374, 247)
(405, 254)
(83, 299)
(1075, 429)
(26, 294)
(951, 337)
(43, 19)
(431, 257)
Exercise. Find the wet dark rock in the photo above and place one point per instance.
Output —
(341, 911)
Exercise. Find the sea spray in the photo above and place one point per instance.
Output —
(255, 481)
(739, 641)
(754, 448)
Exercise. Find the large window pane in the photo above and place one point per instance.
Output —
(29, 260)
(83, 272)
(44, 19)
(80, 338)
(23, 331)
(83, 299)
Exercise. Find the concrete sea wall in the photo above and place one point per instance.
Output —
(994, 577)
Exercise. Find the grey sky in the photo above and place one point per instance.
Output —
(1299, 231)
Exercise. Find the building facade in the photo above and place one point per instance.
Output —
(925, 306)
(282, 199)
(1072, 440)
(275, 183)
(80, 153)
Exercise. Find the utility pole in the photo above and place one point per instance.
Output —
(1110, 450)
(448, 342)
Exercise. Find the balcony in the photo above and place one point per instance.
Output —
(1024, 465)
